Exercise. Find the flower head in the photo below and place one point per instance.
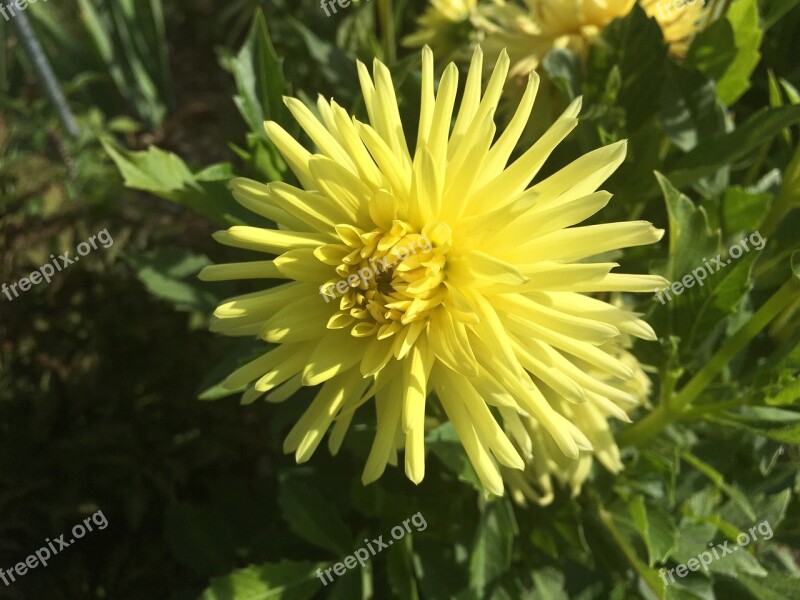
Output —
(679, 21)
(529, 32)
(445, 27)
(611, 398)
(440, 270)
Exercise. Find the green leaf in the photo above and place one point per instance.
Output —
(689, 108)
(167, 176)
(765, 416)
(743, 16)
(786, 435)
(633, 46)
(400, 566)
(774, 586)
(563, 67)
(743, 210)
(656, 527)
(727, 148)
(286, 580)
(690, 238)
(689, 588)
(494, 541)
(695, 539)
(259, 79)
(171, 275)
(550, 584)
(130, 39)
(771, 510)
(332, 64)
(787, 395)
(713, 49)
(735, 494)
(154, 170)
(313, 518)
(712, 292)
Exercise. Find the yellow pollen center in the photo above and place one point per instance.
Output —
(394, 278)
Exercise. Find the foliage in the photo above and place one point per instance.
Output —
(109, 381)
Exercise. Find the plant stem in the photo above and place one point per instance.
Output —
(671, 408)
(787, 196)
(650, 576)
(736, 343)
(386, 19)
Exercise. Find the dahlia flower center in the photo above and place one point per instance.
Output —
(394, 277)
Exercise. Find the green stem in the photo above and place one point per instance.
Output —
(736, 343)
(386, 19)
(650, 576)
(670, 409)
(710, 408)
(754, 169)
(787, 197)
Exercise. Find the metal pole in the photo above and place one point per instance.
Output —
(45, 72)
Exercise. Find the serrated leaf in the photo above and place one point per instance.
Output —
(656, 528)
(747, 34)
(689, 235)
(167, 176)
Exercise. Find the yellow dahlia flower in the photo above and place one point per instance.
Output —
(438, 270)
(529, 32)
(610, 397)
(444, 26)
(679, 20)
